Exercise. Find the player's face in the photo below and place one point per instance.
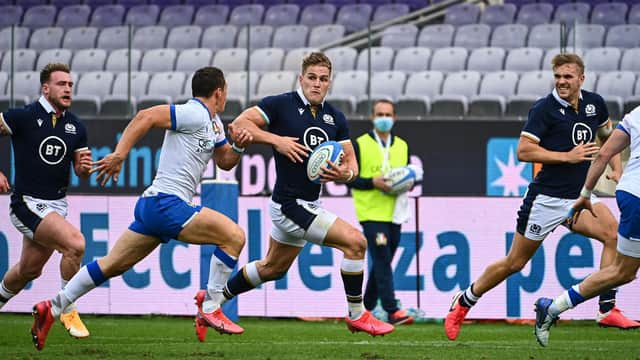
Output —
(315, 83)
(58, 90)
(568, 81)
(221, 99)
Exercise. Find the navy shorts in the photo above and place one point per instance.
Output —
(162, 216)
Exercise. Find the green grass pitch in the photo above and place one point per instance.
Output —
(159, 337)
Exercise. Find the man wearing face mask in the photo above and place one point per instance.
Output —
(379, 212)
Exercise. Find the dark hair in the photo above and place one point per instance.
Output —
(206, 80)
(383, 101)
(45, 73)
(315, 58)
(563, 59)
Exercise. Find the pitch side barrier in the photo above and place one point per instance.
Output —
(453, 153)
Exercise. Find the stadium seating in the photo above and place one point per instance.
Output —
(80, 38)
(73, 16)
(412, 59)
(89, 60)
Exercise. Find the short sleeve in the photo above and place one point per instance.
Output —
(342, 133)
(604, 113)
(82, 139)
(11, 120)
(268, 108)
(536, 126)
(221, 138)
(187, 118)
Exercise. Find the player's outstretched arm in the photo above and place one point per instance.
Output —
(252, 121)
(82, 162)
(347, 171)
(529, 150)
(228, 156)
(109, 166)
(604, 132)
(4, 184)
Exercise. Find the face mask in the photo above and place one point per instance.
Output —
(383, 124)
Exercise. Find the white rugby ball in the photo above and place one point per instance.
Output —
(328, 150)
(401, 179)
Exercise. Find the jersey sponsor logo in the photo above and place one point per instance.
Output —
(314, 136)
(506, 176)
(204, 146)
(41, 207)
(70, 129)
(581, 133)
(52, 150)
(590, 109)
(328, 119)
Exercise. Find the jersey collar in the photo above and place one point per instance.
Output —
(304, 99)
(204, 106)
(562, 101)
(47, 106)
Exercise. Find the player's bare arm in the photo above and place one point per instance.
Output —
(529, 150)
(109, 166)
(604, 132)
(82, 163)
(347, 171)
(252, 121)
(4, 184)
(228, 156)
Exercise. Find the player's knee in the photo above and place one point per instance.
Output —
(516, 265)
(237, 239)
(75, 247)
(357, 245)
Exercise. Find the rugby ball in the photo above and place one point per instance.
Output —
(328, 150)
(402, 179)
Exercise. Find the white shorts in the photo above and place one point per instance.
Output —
(540, 214)
(27, 212)
(629, 246)
(295, 223)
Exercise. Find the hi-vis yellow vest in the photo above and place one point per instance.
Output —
(375, 205)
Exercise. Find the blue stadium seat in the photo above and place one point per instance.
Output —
(73, 16)
(602, 59)
(615, 87)
(233, 59)
(317, 14)
(342, 58)
(449, 59)
(623, 36)
(209, 15)
(62, 3)
(609, 14)
(219, 37)
(294, 57)
(354, 17)
(387, 84)
(282, 14)
(250, 14)
(631, 60)
(486, 59)
(510, 36)
(412, 59)
(176, 15)
(46, 38)
(324, 34)
(149, 37)
(534, 14)
(266, 59)
(26, 83)
(436, 36)
(157, 60)
(107, 15)
(80, 38)
(184, 37)
(544, 36)
(39, 16)
(572, 12)
(142, 15)
(535, 83)
(97, 83)
(260, 36)
(634, 14)
(399, 36)
(53, 56)
(113, 37)
(118, 60)
(472, 36)
(290, 36)
(550, 53)
(20, 37)
(350, 83)
(167, 84)
(524, 59)
(89, 60)
(10, 15)
(381, 59)
(274, 82)
(190, 60)
(237, 85)
(502, 83)
(139, 81)
(462, 14)
(586, 36)
(388, 12)
(498, 14)
(424, 83)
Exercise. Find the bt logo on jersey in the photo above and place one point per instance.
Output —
(314, 136)
(52, 150)
(581, 133)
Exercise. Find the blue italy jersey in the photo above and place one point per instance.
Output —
(43, 152)
(558, 127)
(288, 114)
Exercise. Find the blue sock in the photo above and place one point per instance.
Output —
(575, 296)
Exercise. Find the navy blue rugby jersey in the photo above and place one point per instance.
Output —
(43, 153)
(558, 127)
(288, 114)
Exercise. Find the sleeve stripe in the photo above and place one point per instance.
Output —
(220, 143)
(263, 114)
(623, 129)
(172, 110)
(530, 136)
(604, 123)
(82, 149)
(4, 127)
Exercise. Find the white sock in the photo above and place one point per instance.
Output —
(80, 284)
(71, 306)
(355, 310)
(219, 273)
(5, 294)
(560, 304)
